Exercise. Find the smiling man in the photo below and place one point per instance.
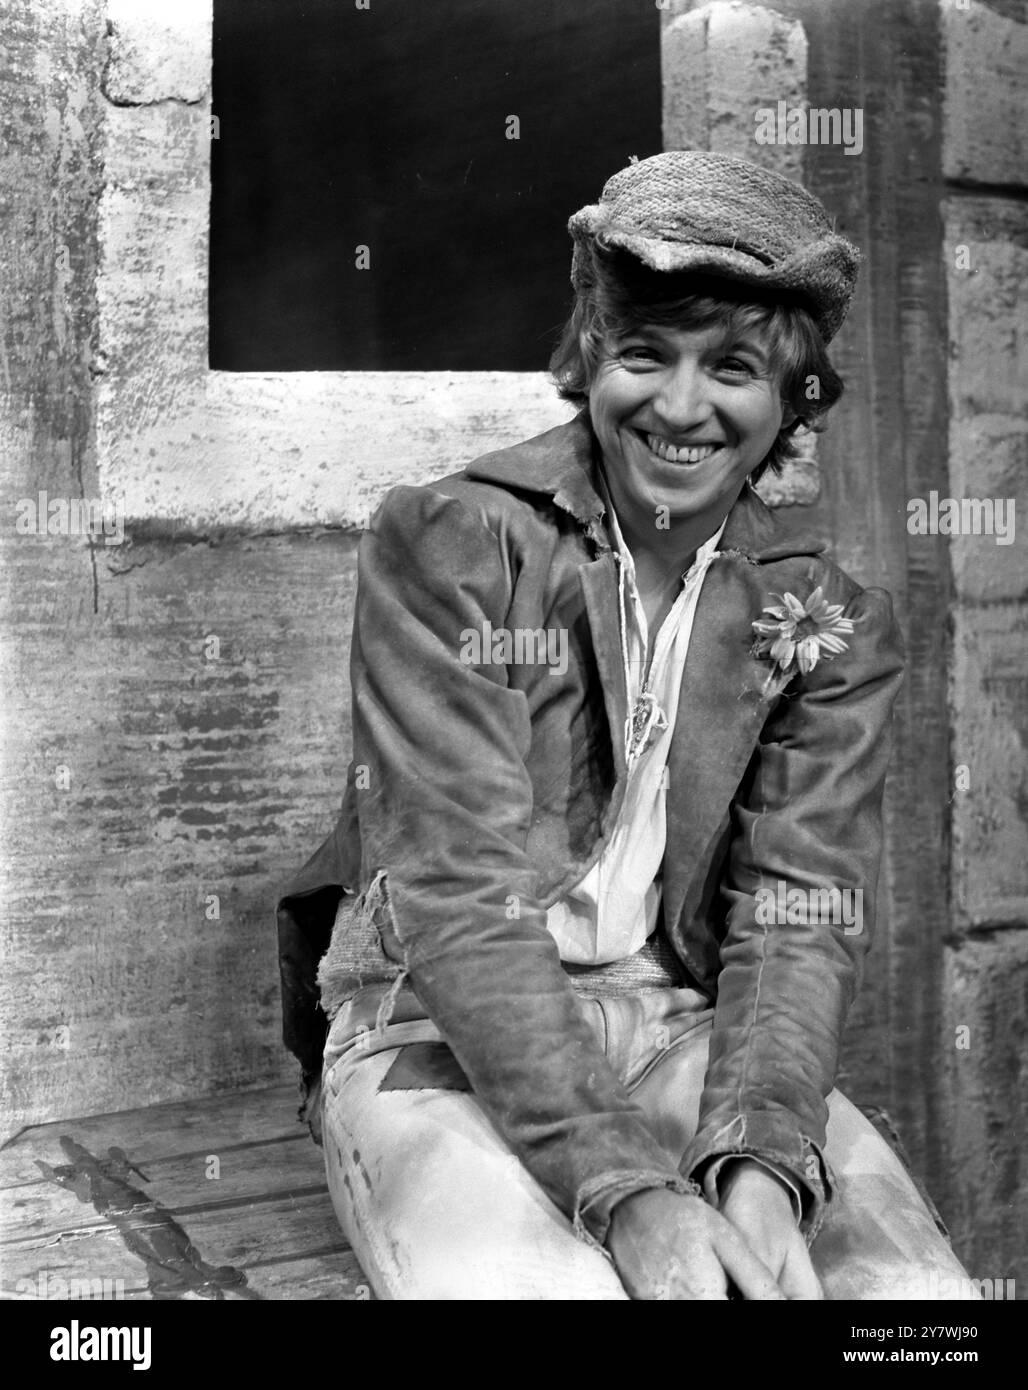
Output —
(682, 419)
(571, 1052)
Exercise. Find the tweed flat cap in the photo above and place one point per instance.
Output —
(693, 210)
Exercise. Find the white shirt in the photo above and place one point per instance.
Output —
(612, 911)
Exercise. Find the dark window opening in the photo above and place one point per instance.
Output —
(387, 128)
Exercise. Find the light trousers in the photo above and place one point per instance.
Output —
(437, 1207)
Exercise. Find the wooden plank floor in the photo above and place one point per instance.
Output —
(220, 1198)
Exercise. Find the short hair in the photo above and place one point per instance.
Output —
(618, 294)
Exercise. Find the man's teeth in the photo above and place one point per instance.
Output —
(670, 454)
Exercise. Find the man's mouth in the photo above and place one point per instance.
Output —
(693, 453)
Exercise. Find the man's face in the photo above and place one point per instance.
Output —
(682, 417)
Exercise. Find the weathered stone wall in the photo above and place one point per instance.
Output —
(985, 1022)
(175, 708)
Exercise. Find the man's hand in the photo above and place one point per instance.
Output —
(760, 1208)
(666, 1245)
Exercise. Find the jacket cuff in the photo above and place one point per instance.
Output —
(712, 1178)
(771, 1138)
(598, 1198)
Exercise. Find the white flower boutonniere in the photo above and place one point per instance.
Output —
(801, 635)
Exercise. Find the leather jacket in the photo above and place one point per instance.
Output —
(473, 788)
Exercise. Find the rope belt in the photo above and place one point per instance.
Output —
(654, 966)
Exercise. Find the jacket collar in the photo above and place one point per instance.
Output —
(563, 463)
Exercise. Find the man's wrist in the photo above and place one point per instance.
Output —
(595, 1210)
(744, 1169)
(642, 1201)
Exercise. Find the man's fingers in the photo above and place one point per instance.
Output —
(751, 1276)
(700, 1276)
(798, 1280)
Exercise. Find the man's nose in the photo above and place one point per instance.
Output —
(682, 400)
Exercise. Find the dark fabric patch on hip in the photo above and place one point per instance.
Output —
(425, 1066)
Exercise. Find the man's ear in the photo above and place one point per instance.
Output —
(790, 420)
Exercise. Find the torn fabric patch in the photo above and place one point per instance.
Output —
(425, 1066)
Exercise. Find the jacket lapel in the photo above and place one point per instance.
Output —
(600, 587)
(562, 464)
(723, 702)
(720, 713)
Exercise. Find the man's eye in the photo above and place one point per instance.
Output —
(735, 366)
(638, 352)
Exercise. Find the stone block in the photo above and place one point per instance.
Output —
(990, 758)
(985, 105)
(988, 464)
(720, 64)
(986, 249)
(158, 52)
(986, 994)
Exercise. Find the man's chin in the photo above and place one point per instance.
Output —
(690, 496)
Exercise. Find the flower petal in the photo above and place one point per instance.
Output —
(807, 653)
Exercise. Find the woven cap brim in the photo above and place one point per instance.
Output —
(821, 274)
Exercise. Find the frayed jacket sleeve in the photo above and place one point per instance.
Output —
(807, 817)
(444, 818)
